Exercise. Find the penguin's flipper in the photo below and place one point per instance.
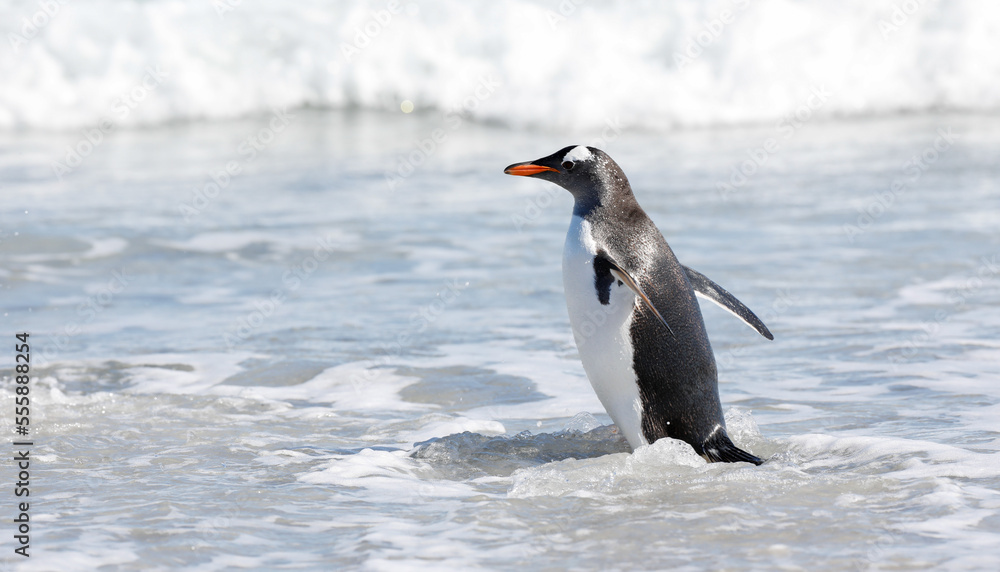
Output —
(712, 291)
(620, 274)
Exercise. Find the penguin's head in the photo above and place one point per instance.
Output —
(588, 173)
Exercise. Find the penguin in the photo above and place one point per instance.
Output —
(634, 313)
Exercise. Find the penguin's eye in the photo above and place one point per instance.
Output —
(568, 165)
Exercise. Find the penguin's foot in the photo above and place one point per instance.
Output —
(719, 448)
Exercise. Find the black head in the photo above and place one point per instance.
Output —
(588, 173)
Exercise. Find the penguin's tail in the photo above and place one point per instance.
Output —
(719, 448)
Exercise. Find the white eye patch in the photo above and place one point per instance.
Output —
(578, 153)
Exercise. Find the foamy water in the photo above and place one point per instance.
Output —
(325, 367)
(571, 65)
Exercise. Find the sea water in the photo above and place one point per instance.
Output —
(326, 367)
(278, 323)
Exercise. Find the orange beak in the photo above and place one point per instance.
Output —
(526, 170)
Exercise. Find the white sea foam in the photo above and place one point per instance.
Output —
(221, 242)
(350, 386)
(451, 426)
(519, 62)
(99, 248)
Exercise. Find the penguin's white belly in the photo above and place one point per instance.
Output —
(602, 333)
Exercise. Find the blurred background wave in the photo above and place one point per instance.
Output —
(563, 65)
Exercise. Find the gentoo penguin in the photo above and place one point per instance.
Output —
(632, 306)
